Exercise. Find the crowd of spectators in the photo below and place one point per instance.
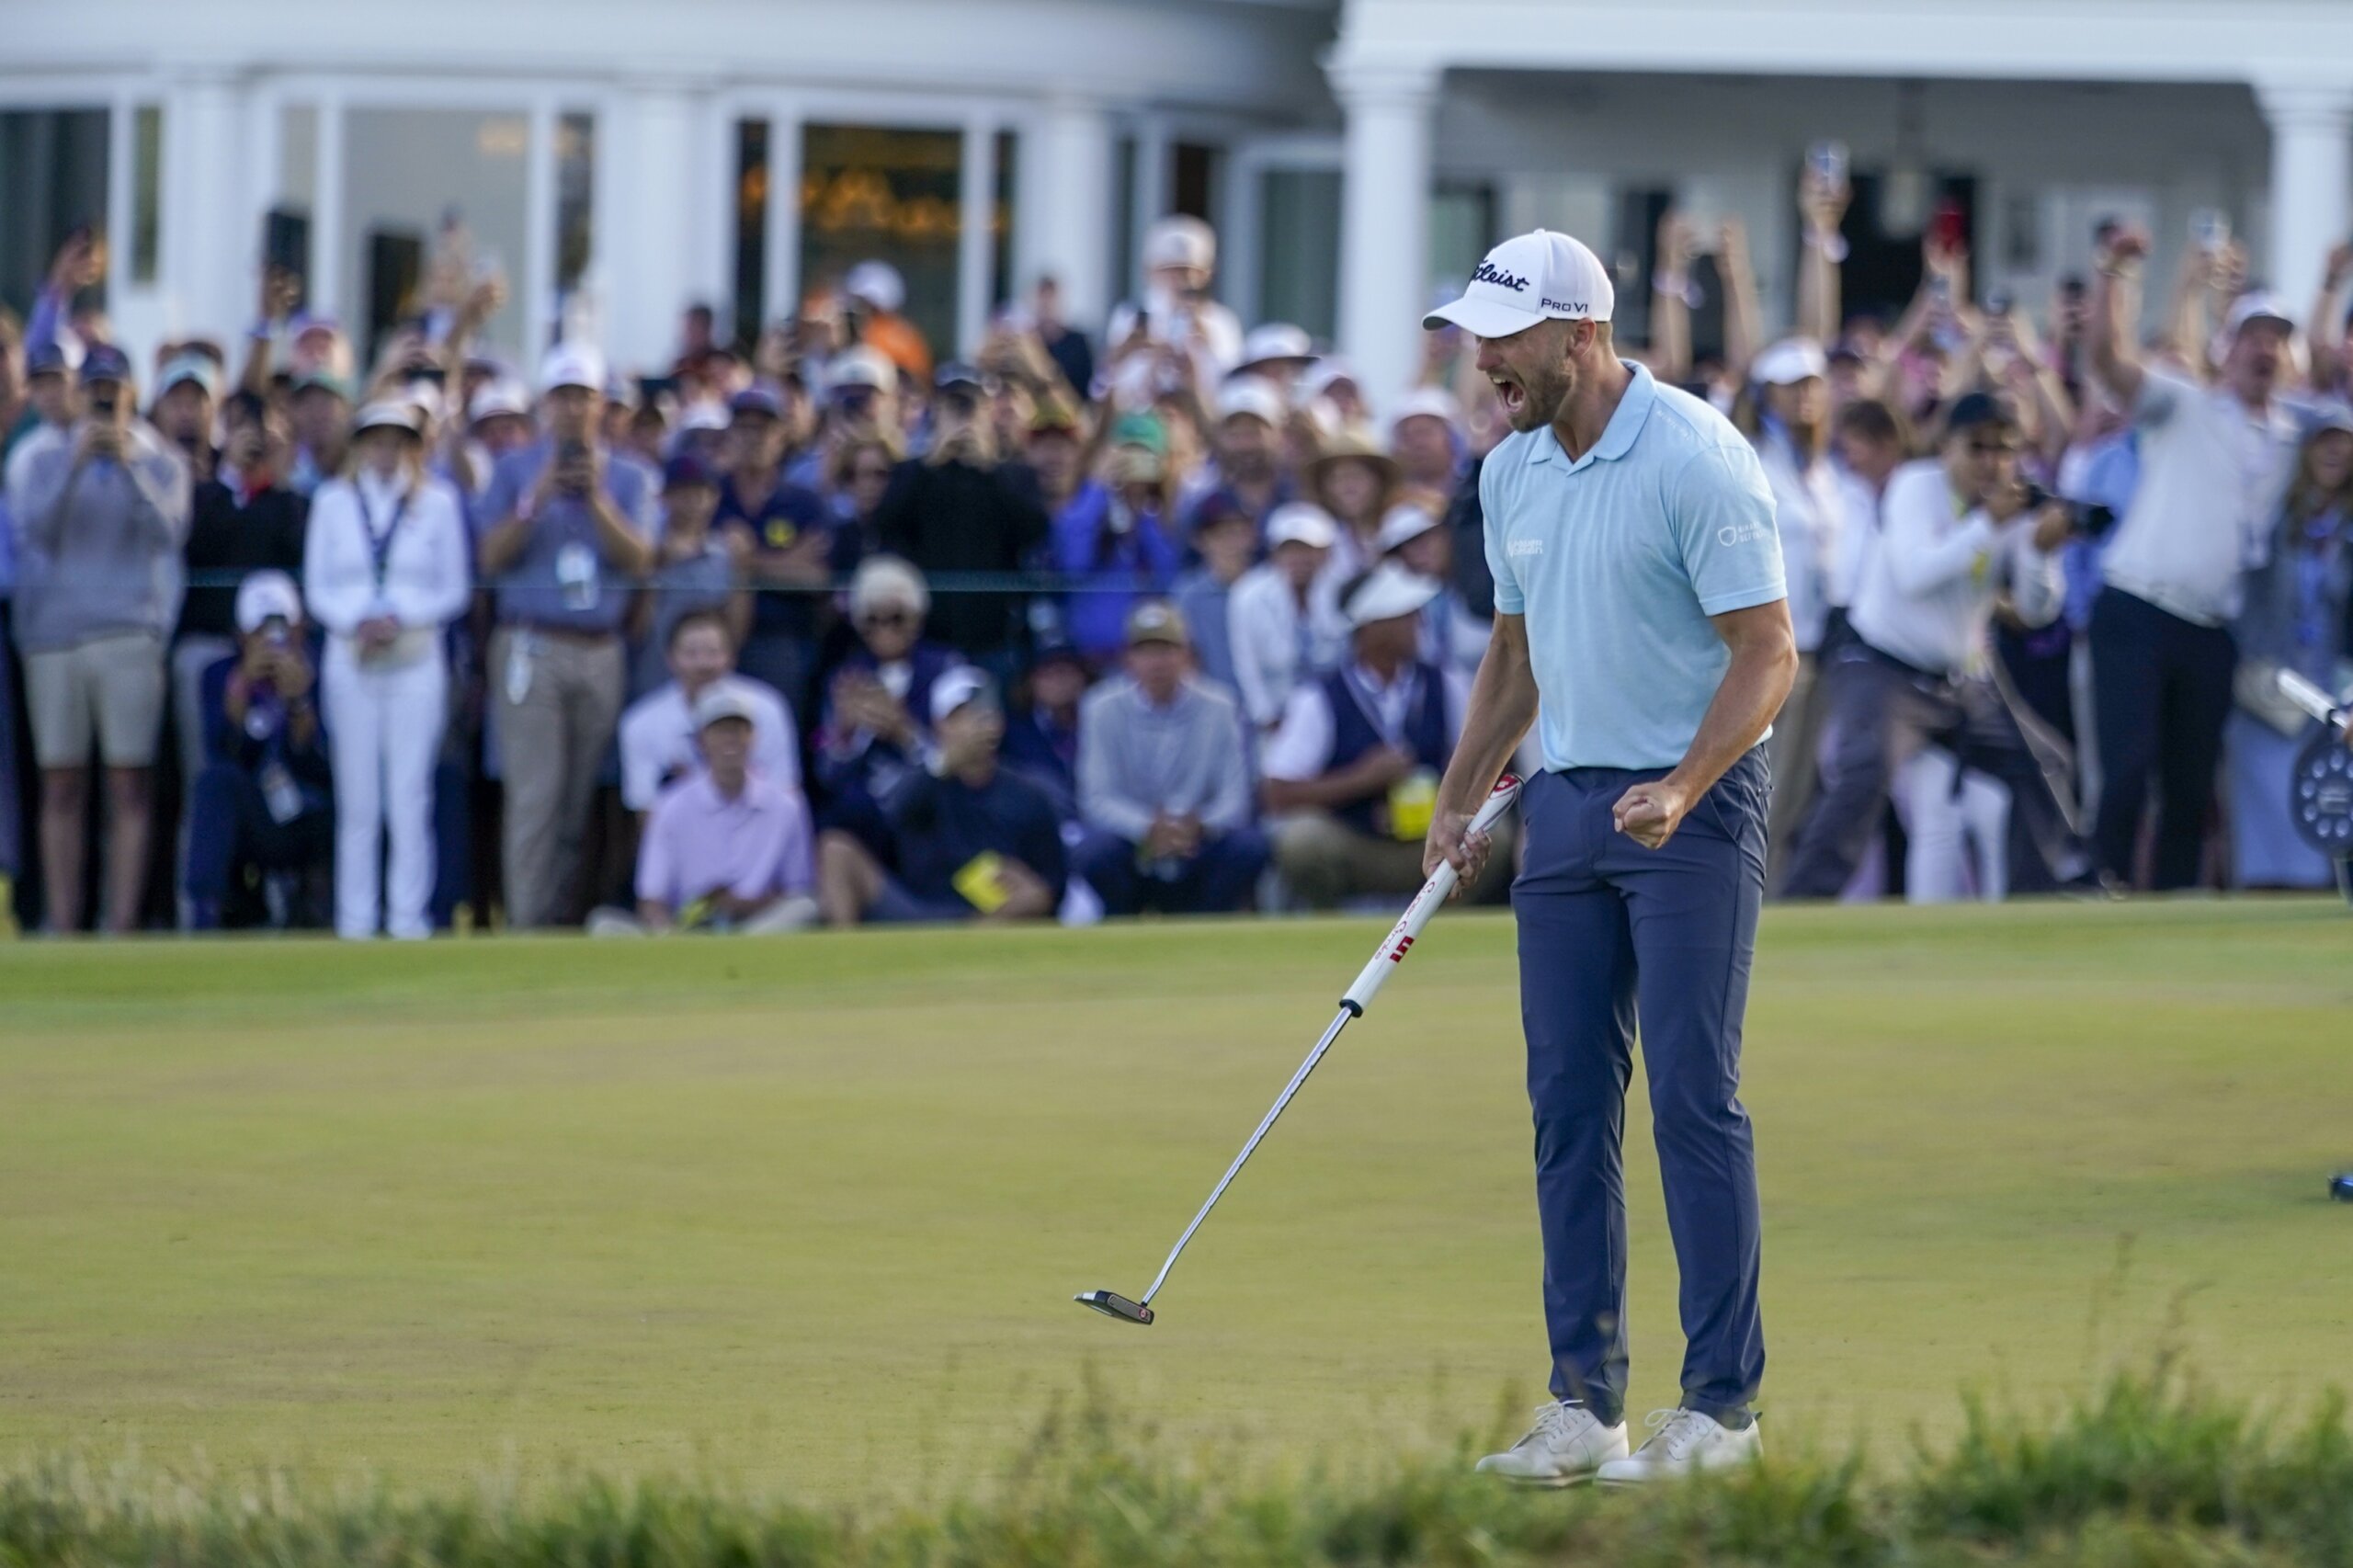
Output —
(819, 630)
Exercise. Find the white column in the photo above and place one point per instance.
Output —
(537, 289)
(1062, 193)
(647, 242)
(211, 233)
(1384, 221)
(1155, 184)
(976, 236)
(327, 248)
(2312, 168)
(783, 239)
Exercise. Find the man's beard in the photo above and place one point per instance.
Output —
(1546, 395)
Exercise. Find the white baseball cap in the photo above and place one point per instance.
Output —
(1789, 361)
(1387, 592)
(1253, 395)
(500, 397)
(2257, 304)
(573, 365)
(1427, 403)
(267, 593)
(389, 413)
(725, 698)
(1300, 522)
(877, 283)
(1276, 340)
(1403, 523)
(1528, 279)
(1180, 240)
(861, 367)
(958, 686)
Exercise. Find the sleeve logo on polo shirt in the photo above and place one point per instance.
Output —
(1742, 533)
(1519, 547)
(1490, 273)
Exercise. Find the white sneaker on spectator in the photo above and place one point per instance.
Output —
(1566, 1446)
(1684, 1443)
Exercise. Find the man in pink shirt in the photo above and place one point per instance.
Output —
(726, 849)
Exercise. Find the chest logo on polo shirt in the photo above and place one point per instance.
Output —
(1519, 548)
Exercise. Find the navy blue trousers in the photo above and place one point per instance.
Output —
(1216, 881)
(1610, 933)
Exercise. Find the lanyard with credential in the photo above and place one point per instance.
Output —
(380, 544)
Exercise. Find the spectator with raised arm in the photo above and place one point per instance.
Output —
(386, 570)
(100, 510)
(1250, 474)
(573, 529)
(1162, 785)
(2214, 464)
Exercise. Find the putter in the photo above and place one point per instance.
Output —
(1387, 956)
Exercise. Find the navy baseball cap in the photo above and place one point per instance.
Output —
(50, 357)
(1058, 654)
(687, 471)
(105, 362)
(759, 398)
(1973, 411)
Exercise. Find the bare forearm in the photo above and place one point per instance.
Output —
(1752, 690)
(620, 543)
(2105, 338)
(1503, 705)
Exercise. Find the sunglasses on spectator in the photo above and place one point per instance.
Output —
(887, 618)
(1993, 448)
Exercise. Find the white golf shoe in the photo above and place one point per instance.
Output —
(1684, 1443)
(1566, 1446)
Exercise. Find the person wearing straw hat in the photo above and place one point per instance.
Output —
(1638, 594)
(1356, 481)
(385, 569)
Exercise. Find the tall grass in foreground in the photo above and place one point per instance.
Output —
(2151, 1470)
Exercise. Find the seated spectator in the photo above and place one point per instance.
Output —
(874, 723)
(387, 569)
(727, 847)
(100, 510)
(262, 806)
(1353, 771)
(1041, 739)
(1281, 612)
(696, 568)
(1227, 542)
(1452, 638)
(1163, 789)
(972, 841)
(658, 731)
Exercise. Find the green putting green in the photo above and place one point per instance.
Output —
(809, 1214)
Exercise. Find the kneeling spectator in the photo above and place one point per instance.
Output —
(262, 808)
(726, 849)
(971, 839)
(1355, 766)
(1162, 787)
(658, 731)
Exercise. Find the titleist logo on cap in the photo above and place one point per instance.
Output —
(1490, 273)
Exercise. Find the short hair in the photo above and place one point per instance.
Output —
(1873, 420)
(714, 618)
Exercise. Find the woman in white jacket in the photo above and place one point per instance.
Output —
(385, 568)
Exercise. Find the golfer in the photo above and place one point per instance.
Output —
(1640, 623)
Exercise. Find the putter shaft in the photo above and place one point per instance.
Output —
(1339, 1021)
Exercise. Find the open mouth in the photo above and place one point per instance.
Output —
(1513, 397)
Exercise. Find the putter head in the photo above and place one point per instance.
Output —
(1111, 1304)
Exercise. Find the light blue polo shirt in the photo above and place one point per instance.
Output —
(1618, 560)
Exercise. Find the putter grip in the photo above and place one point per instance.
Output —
(2312, 699)
(1400, 940)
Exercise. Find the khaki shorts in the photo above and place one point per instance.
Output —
(110, 689)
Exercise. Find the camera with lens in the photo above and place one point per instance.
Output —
(2085, 519)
